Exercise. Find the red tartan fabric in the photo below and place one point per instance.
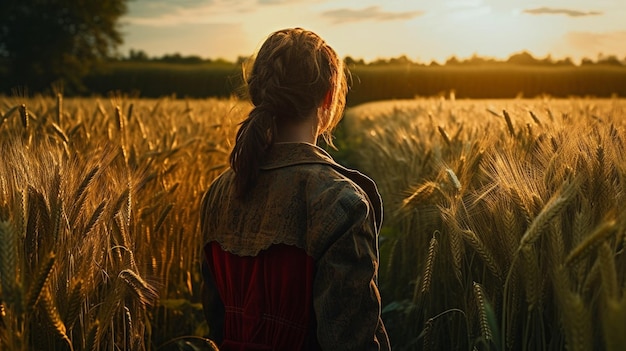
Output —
(267, 298)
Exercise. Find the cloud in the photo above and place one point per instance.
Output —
(372, 13)
(591, 44)
(151, 8)
(160, 13)
(181, 12)
(566, 12)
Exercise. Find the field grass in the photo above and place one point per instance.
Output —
(99, 246)
(504, 228)
(504, 221)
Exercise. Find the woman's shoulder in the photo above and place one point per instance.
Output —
(350, 186)
(218, 186)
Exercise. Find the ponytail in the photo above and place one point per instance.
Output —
(290, 78)
(255, 136)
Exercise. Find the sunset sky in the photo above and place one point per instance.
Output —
(423, 30)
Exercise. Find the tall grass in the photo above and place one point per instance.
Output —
(505, 225)
(99, 239)
(504, 228)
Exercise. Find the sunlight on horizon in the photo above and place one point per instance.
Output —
(372, 29)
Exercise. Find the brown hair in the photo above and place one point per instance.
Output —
(291, 75)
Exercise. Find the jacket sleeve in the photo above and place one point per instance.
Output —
(346, 297)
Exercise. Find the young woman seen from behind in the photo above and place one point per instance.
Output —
(291, 252)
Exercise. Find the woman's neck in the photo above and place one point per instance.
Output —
(306, 131)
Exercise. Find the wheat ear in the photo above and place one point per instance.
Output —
(144, 292)
(608, 271)
(547, 214)
(36, 287)
(509, 123)
(444, 135)
(74, 301)
(483, 252)
(8, 261)
(483, 320)
(52, 315)
(428, 269)
(600, 233)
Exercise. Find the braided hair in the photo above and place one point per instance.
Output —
(292, 73)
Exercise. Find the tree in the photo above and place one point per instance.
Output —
(610, 60)
(522, 58)
(138, 55)
(587, 62)
(402, 60)
(57, 41)
(349, 61)
(452, 61)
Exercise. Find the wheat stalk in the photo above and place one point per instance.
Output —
(509, 123)
(532, 277)
(457, 250)
(483, 322)
(427, 335)
(575, 317)
(79, 195)
(453, 179)
(59, 107)
(428, 268)
(107, 311)
(483, 252)
(52, 315)
(444, 135)
(90, 339)
(553, 208)
(41, 277)
(8, 261)
(521, 204)
(74, 302)
(535, 118)
(608, 271)
(599, 235)
(96, 215)
(162, 217)
(421, 194)
(24, 115)
(144, 292)
(58, 131)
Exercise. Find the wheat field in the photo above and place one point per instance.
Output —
(504, 228)
(99, 239)
(505, 224)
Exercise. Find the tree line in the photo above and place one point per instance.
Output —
(519, 58)
(71, 46)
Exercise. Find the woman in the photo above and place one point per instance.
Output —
(291, 258)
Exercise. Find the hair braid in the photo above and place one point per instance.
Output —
(292, 73)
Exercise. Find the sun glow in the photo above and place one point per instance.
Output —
(465, 28)
(370, 29)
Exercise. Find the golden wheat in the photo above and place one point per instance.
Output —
(528, 200)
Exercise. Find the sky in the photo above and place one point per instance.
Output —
(422, 30)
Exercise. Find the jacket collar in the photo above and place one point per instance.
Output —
(289, 154)
(282, 155)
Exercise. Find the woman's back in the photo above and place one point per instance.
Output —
(306, 232)
(291, 254)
